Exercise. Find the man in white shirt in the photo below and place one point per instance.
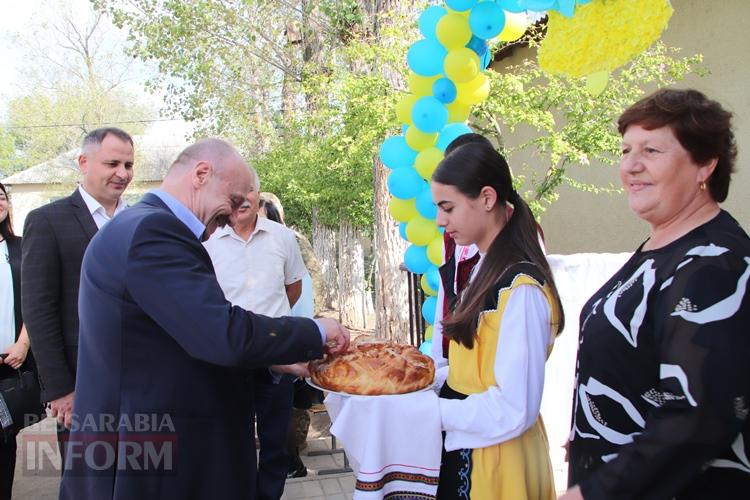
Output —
(259, 267)
(55, 238)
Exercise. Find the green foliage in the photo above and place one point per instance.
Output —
(43, 125)
(565, 126)
(345, 17)
(76, 71)
(7, 153)
(325, 158)
(311, 119)
(310, 123)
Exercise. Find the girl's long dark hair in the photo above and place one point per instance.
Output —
(6, 226)
(469, 167)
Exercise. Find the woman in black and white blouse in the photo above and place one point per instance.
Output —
(663, 372)
(14, 341)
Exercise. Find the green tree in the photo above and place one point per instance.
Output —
(80, 78)
(308, 89)
(7, 152)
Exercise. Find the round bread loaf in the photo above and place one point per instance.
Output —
(374, 369)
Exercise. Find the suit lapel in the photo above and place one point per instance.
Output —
(81, 211)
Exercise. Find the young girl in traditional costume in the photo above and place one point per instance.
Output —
(501, 327)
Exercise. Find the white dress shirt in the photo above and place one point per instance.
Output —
(97, 210)
(253, 274)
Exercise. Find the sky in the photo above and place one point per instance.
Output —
(17, 14)
(17, 19)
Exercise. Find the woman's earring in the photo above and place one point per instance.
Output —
(702, 185)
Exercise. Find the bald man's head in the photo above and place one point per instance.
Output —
(217, 151)
(211, 179)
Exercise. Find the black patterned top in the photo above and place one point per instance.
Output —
(663, 373)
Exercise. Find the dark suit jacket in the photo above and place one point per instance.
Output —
(159, 339)
(55, 237)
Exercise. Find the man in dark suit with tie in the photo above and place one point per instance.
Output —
(162, 406)
(55, 239)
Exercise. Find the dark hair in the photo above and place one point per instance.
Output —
(272, 213)
(469, 168)
(96, 137)
(6, 226)
(703, 127)
(467, 139)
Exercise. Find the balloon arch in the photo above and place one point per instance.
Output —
(585, 39)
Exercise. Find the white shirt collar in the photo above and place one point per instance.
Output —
(94, 206)
(261, 224)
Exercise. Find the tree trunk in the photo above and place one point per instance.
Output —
(324, 246)
(352, 296)
(391, 287)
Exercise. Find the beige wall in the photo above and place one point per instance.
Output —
(583, 222)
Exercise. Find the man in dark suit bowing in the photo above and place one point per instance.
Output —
(162, 407)
(55, 238)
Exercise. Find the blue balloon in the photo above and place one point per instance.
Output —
(425, 57)
(566, 7)
(429, 115)
(405, 183)
(461, 5)
(425, 206)
(426, 347)
(428, 309)
(429, 19)
(537, 5)
(487, 59)
(444, 90)
(395, 152)
(478, 45)
(511, 5)
(450, 133)
(433, 277)
(402, 231)
(487, 20)
(415, 259)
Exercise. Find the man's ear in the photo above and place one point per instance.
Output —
(83, 164)
(201, 173)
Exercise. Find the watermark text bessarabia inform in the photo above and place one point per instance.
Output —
(140, 443)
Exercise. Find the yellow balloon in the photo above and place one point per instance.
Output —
(403, 108)
(402, 210)
(474, 91)
(421, 231)
(435, 251)
(421, 86)
(597, 82)
(426, 286)
(464, 13)
(418, 140)
(516, 25)
(429, 332)
(453, 31)
(427, 161)
(458, 111)
(462, 65)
